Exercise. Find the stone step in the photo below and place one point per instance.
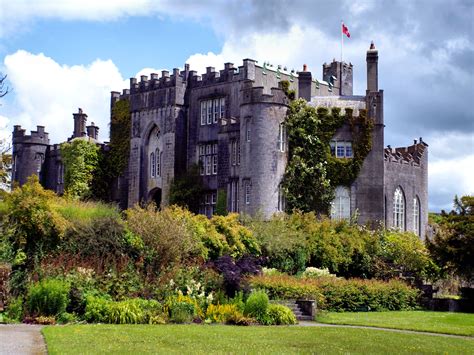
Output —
(304, 318)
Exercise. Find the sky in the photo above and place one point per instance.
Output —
(59, 55)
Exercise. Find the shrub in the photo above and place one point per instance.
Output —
(233, 272)
(278, 314)
(129, 311)
(222, 313)
(314, 272)
(14, 309)
(335, 294)
(48, 297)
(182, 312)
(256, 305)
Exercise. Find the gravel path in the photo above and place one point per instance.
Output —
(316, 324)
(21, 339)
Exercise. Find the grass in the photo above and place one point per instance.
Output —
(436, 322)
(141, 339)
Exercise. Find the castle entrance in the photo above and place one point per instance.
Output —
(155, 196)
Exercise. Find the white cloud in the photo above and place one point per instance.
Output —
(47, 93)
(448, 177)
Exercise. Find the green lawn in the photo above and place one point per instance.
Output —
(187, 339)
(436, 322)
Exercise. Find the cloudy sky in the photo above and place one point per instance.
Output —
(63, 54)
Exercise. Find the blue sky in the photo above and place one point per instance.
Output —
(61, 55)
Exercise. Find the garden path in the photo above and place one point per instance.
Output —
(316, 324)
(21, 339)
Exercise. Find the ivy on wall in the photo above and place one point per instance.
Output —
(312, 173)
(113, 162)
(187, 189)
(80, 158)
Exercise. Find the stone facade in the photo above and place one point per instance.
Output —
(230, 123)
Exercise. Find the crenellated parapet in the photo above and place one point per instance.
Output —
(39, 137)
(255, 95)
(411, 155)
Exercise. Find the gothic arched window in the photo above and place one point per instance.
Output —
(399, 209)
(341, 205)
(416, 216)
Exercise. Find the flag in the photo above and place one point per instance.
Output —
(345, 30)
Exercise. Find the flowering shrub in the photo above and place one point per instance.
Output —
(222, 313)
(278, 314)
(314, 272)
(334, 294)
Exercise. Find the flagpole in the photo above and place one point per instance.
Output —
(342, 38)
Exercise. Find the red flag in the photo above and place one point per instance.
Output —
(345, 30)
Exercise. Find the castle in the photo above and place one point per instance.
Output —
(231, 122)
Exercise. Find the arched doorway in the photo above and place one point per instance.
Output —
(155, 196)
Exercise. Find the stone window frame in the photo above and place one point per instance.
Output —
(233, 193)
(341, 205)
(208, 158)
(282, 137)
(212, 110)
(247, 191)
(343, 146)
(235, 151)
(399, 209)
(281, 207)
(207, 205)
(152, 165)
(416, 216)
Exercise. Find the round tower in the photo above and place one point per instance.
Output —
(264, 150)
(29, 153)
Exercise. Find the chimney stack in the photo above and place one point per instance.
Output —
(372, 68)
(80, 119)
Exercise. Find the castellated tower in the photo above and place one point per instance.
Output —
(340, 76)
(29, 154)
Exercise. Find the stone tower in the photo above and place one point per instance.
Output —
(29, 153)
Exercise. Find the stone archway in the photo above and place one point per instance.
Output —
(155, 196)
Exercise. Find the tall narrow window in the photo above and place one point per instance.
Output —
(234, 196)
(209, 112)
(235, 151)
(203, 112)
(247, 130)
(216, 111)
(281, 200)
(207, 158)
(222, 107)
(416, 216)
(399, 209)
(341, 205)
(282, 137)
(152, 165)
(247, 192)
(158, 162)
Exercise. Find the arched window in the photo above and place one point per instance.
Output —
(341, 205)
(152, 165)
(416, 216)
(158, 162)
(399, 209)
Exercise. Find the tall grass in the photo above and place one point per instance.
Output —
(85, 211)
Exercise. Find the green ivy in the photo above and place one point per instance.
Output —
(312, 173)
(120, 128)
(80, 158)
(186, 190)
(221, 203)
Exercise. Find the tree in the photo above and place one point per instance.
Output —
(81, 159)
(3, 91)
(5, 164)
(453, 243)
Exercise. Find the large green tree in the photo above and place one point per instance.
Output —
(453, 243)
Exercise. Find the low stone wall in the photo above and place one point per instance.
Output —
(5, 270)
(449, 305)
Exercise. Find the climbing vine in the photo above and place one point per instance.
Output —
(312, 173)
(80, 159)
(113, 162)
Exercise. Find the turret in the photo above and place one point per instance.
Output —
(29, 153)
(339, 76)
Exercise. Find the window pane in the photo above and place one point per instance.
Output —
(209, 112)
(222, 107)
(340, 150)
(348, 150)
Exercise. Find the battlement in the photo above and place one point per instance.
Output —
(36, 137)
(406, 155)
(253, 95)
